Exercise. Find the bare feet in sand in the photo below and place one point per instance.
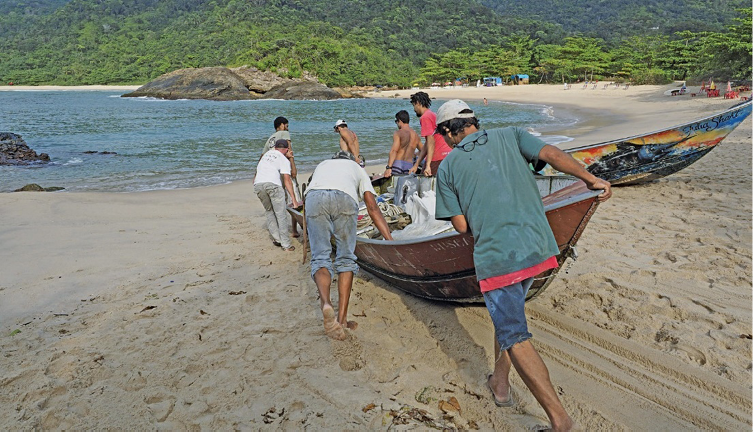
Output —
(332, 328)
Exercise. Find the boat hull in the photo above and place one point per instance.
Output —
(651, 156)
(441, 267)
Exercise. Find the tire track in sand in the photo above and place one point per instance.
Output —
(639, 387)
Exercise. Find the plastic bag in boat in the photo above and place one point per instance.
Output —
(405, 187)
(421, 211)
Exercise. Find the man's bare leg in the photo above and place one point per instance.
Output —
(535, 375)
(332, 327)
(294, 229)
(344, 286)
(500, 380)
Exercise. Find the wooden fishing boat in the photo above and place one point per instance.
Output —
(440, 267)
(647, 157)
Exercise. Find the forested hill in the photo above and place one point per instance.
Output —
(613, 20)
(343, 42)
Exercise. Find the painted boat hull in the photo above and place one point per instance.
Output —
(441, 267)
(651, 156)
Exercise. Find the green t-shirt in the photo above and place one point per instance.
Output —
(493, 186)
(283, 134)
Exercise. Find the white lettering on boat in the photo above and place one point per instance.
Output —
(713, 123)
(455, 243)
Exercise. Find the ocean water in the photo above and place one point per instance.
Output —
(193, 143)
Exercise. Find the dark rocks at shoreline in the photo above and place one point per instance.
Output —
(33, 187)
(15, 151)
(223, 84)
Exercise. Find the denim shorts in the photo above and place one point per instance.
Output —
(506, 306)
(331, 214)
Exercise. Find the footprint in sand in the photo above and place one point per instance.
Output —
(694, 354)
(160, 406)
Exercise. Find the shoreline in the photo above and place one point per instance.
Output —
(596, 115)
(604, 115)
(69, 88)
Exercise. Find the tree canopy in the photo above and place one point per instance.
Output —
(359, 42)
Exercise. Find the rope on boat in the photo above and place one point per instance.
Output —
(393, 215)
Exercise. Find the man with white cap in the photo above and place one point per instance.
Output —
(485, 187)
(348, 139)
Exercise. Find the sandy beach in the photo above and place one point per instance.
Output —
(173, 310)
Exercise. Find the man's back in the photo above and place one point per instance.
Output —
(270, 166)
(492, 185)
(343, 175)
(349, 141)
(409, 140)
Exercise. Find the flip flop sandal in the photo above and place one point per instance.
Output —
(289, 249)
(508, 403)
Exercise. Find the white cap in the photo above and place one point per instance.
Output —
(340, 122)
(451, 109)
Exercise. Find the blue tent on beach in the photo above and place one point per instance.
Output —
(519, 78)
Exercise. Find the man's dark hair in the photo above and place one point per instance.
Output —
(421, 98)
(457, 124)
(280, 121)
(403, 116)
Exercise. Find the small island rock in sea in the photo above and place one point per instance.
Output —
(224, 84)
(15, 151)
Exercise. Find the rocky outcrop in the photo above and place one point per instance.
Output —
(33, 187)
(259, 82)
(302, 90)
(212, 83)
(15, 151)
(243, 83)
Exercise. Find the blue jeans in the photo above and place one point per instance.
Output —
(506, 306)
(331, 213)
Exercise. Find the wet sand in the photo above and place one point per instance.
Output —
(173, 310)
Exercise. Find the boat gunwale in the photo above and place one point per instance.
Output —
(735, 107)
(556, 205)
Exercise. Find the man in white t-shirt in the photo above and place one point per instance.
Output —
(272, 171)
(332, 197)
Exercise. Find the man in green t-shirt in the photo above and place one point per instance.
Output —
(281, 125)
(485, 186)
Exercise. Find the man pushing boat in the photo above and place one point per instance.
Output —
(331, 211)
(485, 186)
